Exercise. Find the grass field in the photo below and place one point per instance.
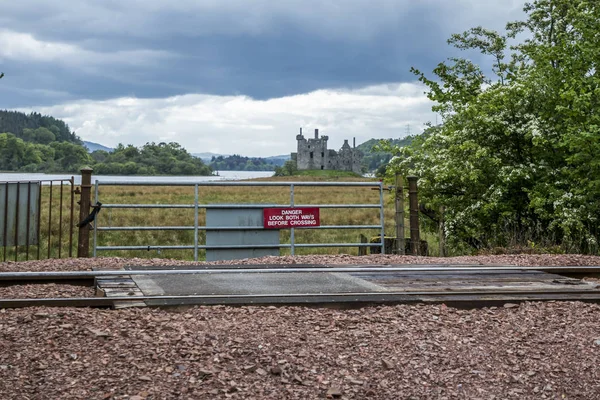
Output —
(110, 217)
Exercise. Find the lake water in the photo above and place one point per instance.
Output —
(223, 176)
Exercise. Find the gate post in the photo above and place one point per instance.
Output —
(442, 234)
(413, 199)
(83, 244)
(400, 246)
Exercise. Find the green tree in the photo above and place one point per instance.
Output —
(515, 160)
(288, 169)
(44, 136)
(70, 157)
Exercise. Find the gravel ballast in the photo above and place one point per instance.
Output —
(535, 350)
(527, 351)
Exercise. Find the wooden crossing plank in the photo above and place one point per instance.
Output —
(120, 286)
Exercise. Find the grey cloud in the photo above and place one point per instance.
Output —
(239, 124)
(345, 20)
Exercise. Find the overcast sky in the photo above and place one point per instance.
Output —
(231, 76)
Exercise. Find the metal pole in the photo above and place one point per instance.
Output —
(414, 215)
(97, 223)
(292, 234)
(17, 223)
(83, 244)
(6, 220)
(196, 222)
(71, 217)
(50, 221)
(60, 213)
(28, 230)
(400, 243)
(39, 220)
(381, 217)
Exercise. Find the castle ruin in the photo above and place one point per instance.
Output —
(313, 154)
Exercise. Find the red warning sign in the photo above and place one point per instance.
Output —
(285, 218)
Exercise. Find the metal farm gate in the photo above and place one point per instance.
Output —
(37, 219)
(237, 217)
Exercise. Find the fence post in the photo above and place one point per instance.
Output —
(400, 244)
(413, 199)
(83, 244)
(442, 234)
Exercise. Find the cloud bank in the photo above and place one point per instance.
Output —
(242, 125)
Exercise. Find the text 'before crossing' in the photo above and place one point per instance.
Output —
(285, 218)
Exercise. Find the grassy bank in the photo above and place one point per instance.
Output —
(327, 174)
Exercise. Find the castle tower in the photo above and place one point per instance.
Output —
(313, 154)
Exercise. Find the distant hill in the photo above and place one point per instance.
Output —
(241, 163)
(207, 157)
(278, 160)
(373, 159)
(272, 160)
(91, 146)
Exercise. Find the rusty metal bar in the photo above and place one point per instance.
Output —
(17, 222)
(60, 212)
(50, 221)
(413, 200)
(71, 217)
(28, 221)
(83, 245)
(5, 221)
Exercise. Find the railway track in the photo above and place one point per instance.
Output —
(567, 289)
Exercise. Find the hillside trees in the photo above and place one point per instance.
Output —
(240, 163)
(21, 125)
(516, 159)
(39, 143)
(150, 159)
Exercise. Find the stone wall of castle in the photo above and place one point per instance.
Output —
(313, 154)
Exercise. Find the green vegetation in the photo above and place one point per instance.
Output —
(515, 162)
(150, 159)
(45, 144)
(327, 174)
(239, 163)
(376, 158)
(17, 154)
(287, 169)
(36, 128)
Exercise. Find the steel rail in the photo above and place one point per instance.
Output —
(362, 269)
(297, 298)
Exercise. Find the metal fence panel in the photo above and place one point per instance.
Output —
(19, 213)
(222, 225)
(247, 219)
